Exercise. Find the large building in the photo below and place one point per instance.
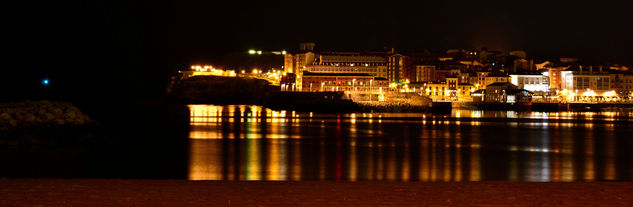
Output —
(484, 79)
(306, 60)
(449, 89)
(296, 63)
(627, 83)
(581, 84)
(554, 75)
(531, 82)
(358, 86)
(622, 82)
(442, 74)
(424, 73)
(430, 71)
(396, 68)
(502, 92)
(349, 62)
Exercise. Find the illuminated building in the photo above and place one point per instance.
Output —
(555, 79)
(621, 81)
(442, 74)
(481, 79)
(296, 63)
(486, 78)
(396, 68)
(349, 62)
(352, 84)
(288, 78)
(450, 89)
(502, 92)
(533, 82)
(372, 63)
(425, 70)
(424, 73)
(579, 80)
(627, 83)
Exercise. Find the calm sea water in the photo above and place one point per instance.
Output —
(255, 143)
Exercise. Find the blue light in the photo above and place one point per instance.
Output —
(45, 82)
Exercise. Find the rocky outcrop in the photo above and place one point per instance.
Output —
(40, 114)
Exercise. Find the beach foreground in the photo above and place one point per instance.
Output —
(102, 192)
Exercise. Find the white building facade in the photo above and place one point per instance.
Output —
(534, 83)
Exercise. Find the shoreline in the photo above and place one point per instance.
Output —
(102, 192)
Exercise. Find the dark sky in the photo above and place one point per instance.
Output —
(131, 46)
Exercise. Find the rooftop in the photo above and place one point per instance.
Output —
(306, 73)
(499, 84)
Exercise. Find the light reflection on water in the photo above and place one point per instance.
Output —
(255, 143)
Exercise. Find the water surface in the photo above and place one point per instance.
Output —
(255, 143)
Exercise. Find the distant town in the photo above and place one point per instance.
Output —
(457, 76)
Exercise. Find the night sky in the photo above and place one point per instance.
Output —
(115, 49)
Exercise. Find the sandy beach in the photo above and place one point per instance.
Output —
(100, 192)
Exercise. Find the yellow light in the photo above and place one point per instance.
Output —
(589, 93)
(570, 94)
(251, 52)
(609, 93)
(564, 92)
(259, 52)
(283, 52)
